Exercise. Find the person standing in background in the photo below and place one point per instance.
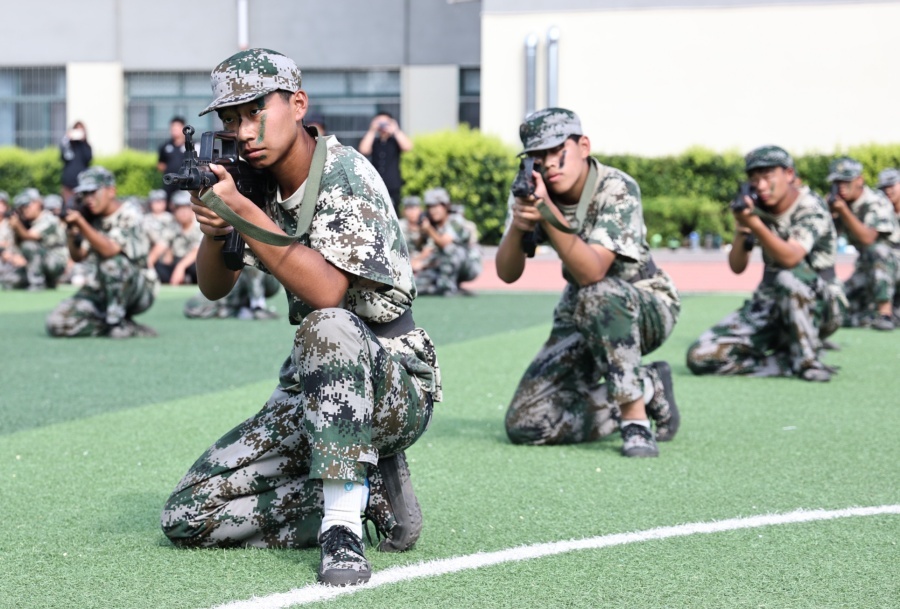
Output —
(383, 143)
(171, 155)
(76, 155)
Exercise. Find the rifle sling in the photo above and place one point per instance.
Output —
(586, 195)
(307, 205)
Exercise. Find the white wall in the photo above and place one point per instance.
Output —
(653, 82)
(430, 97)
(94, 93)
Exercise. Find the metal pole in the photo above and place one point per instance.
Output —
(531, 42)
(243, 24)
(552, 66)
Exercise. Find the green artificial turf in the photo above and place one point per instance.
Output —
(88, 460)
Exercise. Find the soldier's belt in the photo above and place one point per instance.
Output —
(404, 324)
(650, 269)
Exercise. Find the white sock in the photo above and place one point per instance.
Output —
(641, 422)
(258, 303)
(648, 390)
(343, 500)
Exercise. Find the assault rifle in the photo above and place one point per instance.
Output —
(220, 148)
(522, 188)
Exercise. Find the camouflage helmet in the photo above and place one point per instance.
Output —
(844, 169)
(767, 156)
(888, 177)
(548, 128)
(411, 201)
(27, 196)
(249, 75)
(95, 178)
(436, 196)
(53, 202)
(181, 198)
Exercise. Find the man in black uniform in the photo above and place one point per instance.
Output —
(171, 155)
(383, 143)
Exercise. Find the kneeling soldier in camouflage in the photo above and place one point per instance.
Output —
(41, 240)
(114, 248)
(588, 379)
(358, 386)
(869, 221)
(777, 332)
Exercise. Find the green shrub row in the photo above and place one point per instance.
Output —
(681, 193)
(135, 171)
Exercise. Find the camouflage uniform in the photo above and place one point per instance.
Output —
(590, 365)
(45, 257)
(116, 288)
(180, 242)
(7, 241)
(253, 286)
(157, 226)
(876, 273)
(412, 232)
(347, 393)
(472, 265)
(778, 331)
(441, 273)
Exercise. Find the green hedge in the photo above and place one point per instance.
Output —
(476, 170)
(674, 218)
(681, 193)
(135, 171)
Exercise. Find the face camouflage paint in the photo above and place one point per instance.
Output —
(260, 104)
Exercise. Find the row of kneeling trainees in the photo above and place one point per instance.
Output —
(360, 378)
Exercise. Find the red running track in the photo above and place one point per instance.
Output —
(700, 271)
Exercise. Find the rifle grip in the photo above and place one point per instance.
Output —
(233, 251)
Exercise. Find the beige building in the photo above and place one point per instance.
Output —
(655, 77)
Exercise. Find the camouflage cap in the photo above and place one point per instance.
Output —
(844, 169)
(27, 196)
(437, 196)
(157, 195)
(888, 177)
(411, 201)
(249, 75)
(4, 196)
(53, 202)
(548, 128)
(181, 198)
(767, 156)
(95, 178)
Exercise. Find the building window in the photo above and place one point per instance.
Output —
(347, 100)
(152, 99)
(470, 97)
(32, 107)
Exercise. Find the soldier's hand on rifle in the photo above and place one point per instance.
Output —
(210, 223)
(837, 206)
(72, 218)
(525, 212)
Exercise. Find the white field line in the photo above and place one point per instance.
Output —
(317, 592)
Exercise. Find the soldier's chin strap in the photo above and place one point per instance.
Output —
(587, 194)
(307, 205)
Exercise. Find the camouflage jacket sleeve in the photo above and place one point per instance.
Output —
(876, 211)
(615, 221)
(184, 242)
(124, 227)
(809, 224)
(51, 230)
(354, 227)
